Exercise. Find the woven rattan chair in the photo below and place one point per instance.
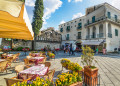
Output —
(47, 64)
(19, 68)
(10, 60)
(17, 56)
(11, 81)
(3, 66)
(27, 62)
(50, 75)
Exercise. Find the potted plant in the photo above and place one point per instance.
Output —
(37, 82)
(52, 55)
(69, 79)
(65, 63)
(87, 58)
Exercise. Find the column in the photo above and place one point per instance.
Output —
(105, 30)
(91, 31)
(97, 31)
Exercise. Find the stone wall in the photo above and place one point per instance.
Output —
(40, 45)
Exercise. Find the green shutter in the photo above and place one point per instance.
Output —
(79, 25)
(93, 19)
(109, 15)
(61, 29)
(115, 17)
(116, 32)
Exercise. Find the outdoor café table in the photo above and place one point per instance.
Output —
(37, 59)
(39, 70)
(35, 54)
(7, 55)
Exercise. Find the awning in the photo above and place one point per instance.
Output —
(92, 42)
(14, 21)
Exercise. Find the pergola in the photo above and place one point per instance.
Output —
(14, 21)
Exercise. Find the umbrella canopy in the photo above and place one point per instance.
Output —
(14, 21)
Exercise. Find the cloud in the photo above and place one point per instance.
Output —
(62, 22)
(75, 0)
(30, 3)
(50, 6)
(77, 15)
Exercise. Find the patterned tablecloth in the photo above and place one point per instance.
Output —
(35, 54)
(37, 59)
(39, 70)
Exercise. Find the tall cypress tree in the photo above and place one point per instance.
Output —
(37, 18)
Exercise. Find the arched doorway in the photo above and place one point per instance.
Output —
(101, 31)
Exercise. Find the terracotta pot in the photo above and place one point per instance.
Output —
(77, 84)
(90, 76)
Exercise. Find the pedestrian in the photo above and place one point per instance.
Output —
(104, 51)
(119, 50)
(97, 50)
(73, 50)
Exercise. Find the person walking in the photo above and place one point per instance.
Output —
(119, 50)
(104, 51)
(73, 50)
(97, 50)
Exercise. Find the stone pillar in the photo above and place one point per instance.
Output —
(97, 30)
(105, 29)
(91, 31)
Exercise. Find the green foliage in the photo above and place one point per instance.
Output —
(37, 18)
(19, 48)
(22, 0)
(87, 57)
(34, 51)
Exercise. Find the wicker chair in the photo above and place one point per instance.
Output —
(19, 68)
(26, 62)
(50, 75)
(3, 56)
(11, 81)
(3, 66)
(10, 60)
(17, 56)
(47, 64)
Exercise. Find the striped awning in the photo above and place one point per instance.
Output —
(14, 21)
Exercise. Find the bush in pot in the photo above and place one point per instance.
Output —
(89, 69)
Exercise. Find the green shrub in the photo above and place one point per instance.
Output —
(19, 48)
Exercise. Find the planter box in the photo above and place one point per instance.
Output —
(77, 84)
(90, 76)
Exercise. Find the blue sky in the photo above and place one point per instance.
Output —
(60, 11)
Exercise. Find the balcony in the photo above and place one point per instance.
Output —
(101, 35)
(78, 37)
(109, 35)
(67, 38)
(88, 37)
(103, 18)
(93, 36)
(79, 28)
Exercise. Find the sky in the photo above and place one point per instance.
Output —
(57, 12)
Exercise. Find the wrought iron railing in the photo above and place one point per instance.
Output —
(109, 35)
(78, 37)
(101, 35)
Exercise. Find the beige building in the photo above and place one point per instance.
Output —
(100, 27)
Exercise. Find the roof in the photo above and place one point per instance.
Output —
(14, 21)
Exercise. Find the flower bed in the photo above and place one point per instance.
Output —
(37, 82)
(69, 79)
(70, 65)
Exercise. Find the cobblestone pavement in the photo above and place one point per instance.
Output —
(109, 68)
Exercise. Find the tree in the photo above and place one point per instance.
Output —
(37, 18)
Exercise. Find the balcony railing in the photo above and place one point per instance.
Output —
(109, 35)
(101, 35)
(88, 37)
(67, 38)
(78, 37)
(93, 36)
(103, 18)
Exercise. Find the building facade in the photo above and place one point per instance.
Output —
(100, 27)
(48, 38)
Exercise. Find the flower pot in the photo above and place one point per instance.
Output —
(77, 84)
(90, 76)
